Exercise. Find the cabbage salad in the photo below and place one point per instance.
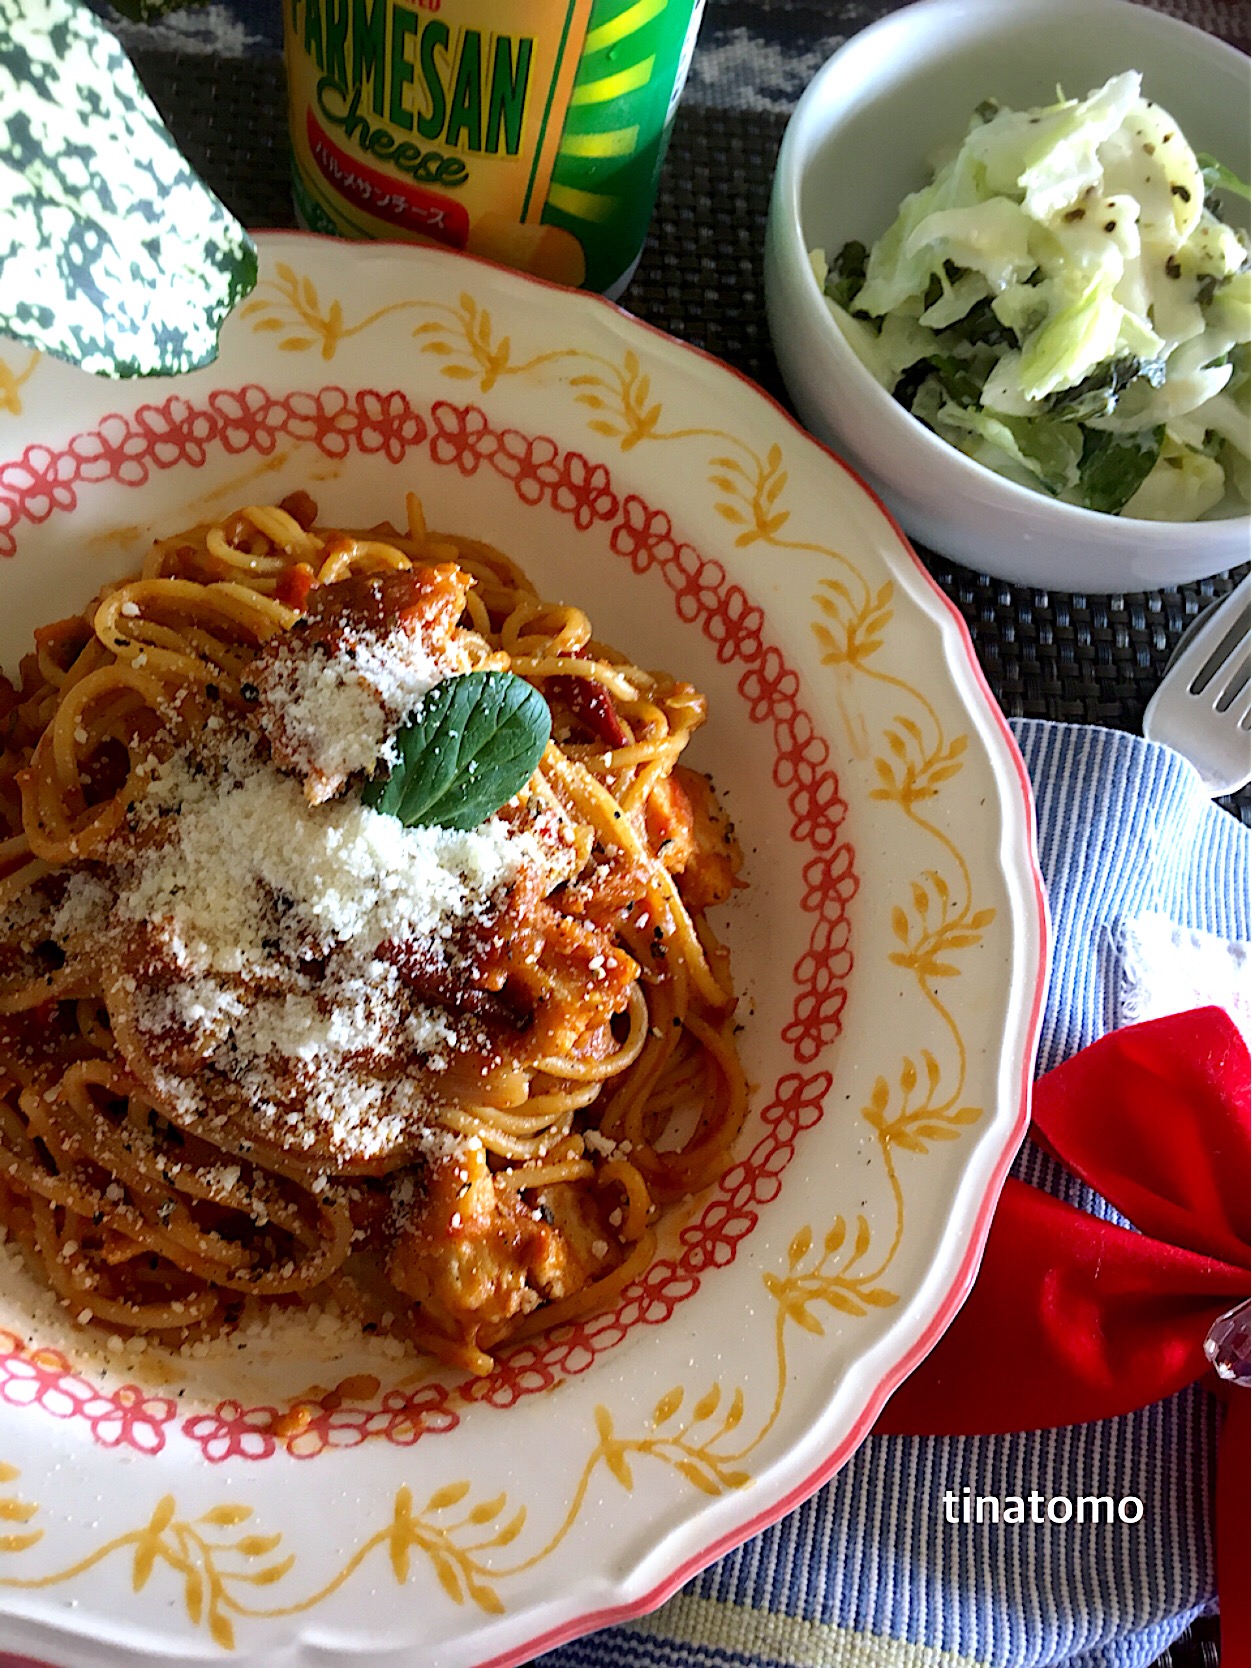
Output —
(1064, 304)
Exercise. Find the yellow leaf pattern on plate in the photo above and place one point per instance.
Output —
(11, 383)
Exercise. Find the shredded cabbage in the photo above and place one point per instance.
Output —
(1063, 304)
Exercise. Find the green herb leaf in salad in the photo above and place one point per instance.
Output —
(473, 742)
(1063, 304)
(1113, 467)
(1217, 177)
(113, 254)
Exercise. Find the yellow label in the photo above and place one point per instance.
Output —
(424, 119)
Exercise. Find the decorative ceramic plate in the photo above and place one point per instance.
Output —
(315, 1494)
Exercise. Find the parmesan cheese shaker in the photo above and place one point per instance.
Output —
(531, 132)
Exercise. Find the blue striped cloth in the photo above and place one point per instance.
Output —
(868, 1572)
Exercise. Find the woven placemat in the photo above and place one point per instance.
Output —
(1087, 659)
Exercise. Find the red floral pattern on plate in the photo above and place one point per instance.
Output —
(129, 1417)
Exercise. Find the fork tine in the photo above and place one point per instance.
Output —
(1203, 707)
(1224, 653)
(1208, 641)
(1233, 692)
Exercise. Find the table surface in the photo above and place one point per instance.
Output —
(217, 76)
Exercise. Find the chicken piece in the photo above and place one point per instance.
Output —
(567, 976)
(670, 823)
(476, 1256)
(327, 694)
(423, 603)
(694, 838)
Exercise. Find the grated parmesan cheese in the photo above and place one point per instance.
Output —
(352, 875)
(264, 916)
(332, 714)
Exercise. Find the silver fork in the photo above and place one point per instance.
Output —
(1203, 708)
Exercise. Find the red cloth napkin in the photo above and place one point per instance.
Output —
(1073, 1319)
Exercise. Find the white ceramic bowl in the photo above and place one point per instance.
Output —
(857, 143)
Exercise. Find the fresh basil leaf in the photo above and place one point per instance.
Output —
(472, 742)
(113, 254)
(1114, 466)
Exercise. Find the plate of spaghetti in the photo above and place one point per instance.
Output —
(520, 959)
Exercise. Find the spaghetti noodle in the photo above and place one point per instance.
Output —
(261, 1044)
